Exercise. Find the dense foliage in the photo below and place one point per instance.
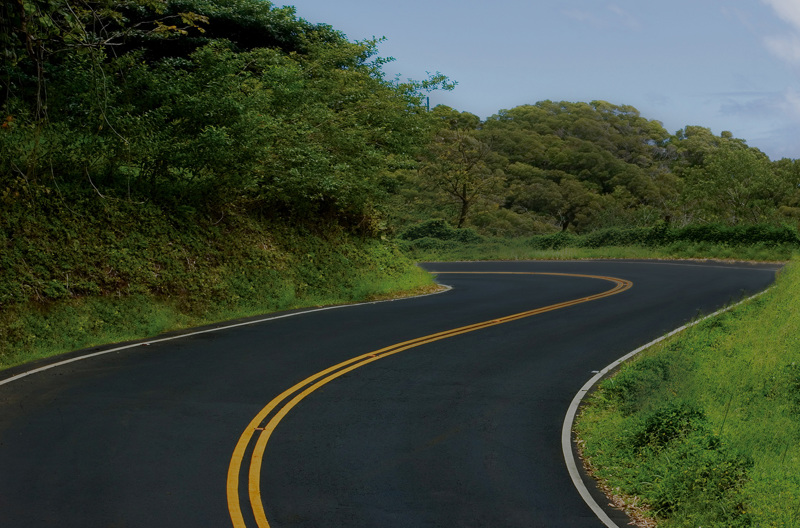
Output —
(195, 158)
(585, 166)
(142, 141)
(201, 104)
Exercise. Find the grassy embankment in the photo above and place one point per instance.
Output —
(436, 240)
(705, 428)
(76, 275)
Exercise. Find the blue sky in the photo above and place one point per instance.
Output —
(723, 64)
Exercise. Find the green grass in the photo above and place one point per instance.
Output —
(34, 332)
(104, 272)
(705, 427)
(520, 249)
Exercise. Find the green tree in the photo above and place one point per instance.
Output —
(734, 185)
(260, 109)
(456, 162)
(569, 202)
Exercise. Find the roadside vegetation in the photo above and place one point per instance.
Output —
(120, 271)
(437, 240)
(172, 163)
(703, 428)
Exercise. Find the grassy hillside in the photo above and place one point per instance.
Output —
(166, 163)
(704, 428)
(79, 273)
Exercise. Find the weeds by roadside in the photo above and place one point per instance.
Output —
(704, 427)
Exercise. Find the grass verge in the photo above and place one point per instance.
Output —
(436, 240)
(37, 332)
(704, 428)
(520, 249)
(106, 272)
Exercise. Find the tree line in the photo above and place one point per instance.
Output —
(567, 166)
(240, 107)
(202, 105)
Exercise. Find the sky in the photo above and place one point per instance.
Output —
(728, 65)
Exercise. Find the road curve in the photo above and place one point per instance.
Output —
(460, 430)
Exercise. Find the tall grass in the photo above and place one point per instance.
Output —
(724, 396)
(249, 269)
(520, 249)
(436, 240)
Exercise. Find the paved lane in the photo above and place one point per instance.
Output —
(462, 431)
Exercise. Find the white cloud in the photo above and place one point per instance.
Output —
(791, 102)
(783, 106)
(603, 20)
(786, 47)
(582, 16)
(788, 10)
(627, 18)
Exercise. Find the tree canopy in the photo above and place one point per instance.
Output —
(203, 103)
(220, 104)
(584, 166)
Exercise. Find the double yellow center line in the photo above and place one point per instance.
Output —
(264, 423)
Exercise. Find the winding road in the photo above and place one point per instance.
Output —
(437, 411)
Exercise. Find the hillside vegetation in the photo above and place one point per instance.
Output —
(703, 427)
(215, 158)
(170, 163)
(165, 163)
(579, 167)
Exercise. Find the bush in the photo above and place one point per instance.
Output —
(635, 382)
(675, 420)
(738, 235)
(686, 471)
(555, 241)
(708, 487)
(762, 235)
(617, 237)
(441, 230)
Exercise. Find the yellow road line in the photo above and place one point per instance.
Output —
(312, 383)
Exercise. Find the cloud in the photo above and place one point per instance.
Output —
(659, 99)
(787, 46)
(791, 103)
(788, 10)
(777, 143)
(604, 20)
(583, 16)
(780, 106)
(627, 18)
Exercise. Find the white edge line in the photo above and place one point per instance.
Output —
(207, 331)
(569, 419)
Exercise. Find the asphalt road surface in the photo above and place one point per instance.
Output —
(425, 427)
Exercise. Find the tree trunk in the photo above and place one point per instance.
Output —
(462, 215)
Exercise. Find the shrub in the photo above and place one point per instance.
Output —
(440, 230)
(616, 237)
(635, 382)
(675, 420)
(708, 486)
(738, 235)
(554, 241)
(687, 472)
